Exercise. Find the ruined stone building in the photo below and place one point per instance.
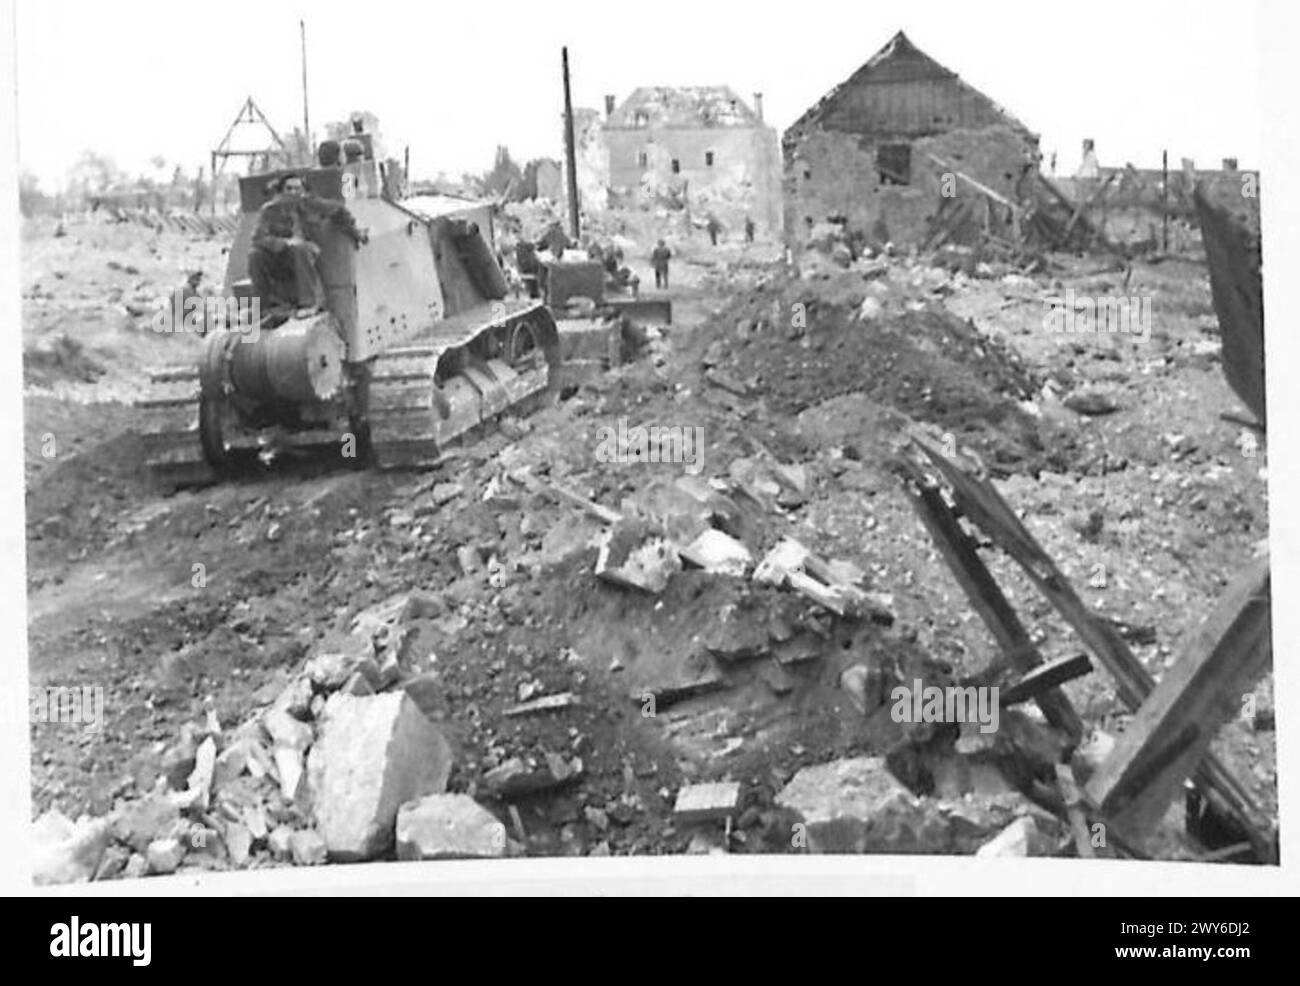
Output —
(863, 153)
(702, 143)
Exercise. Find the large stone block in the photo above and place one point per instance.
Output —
(374, 754)
(857, 805)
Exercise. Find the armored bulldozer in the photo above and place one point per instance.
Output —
(415, 346)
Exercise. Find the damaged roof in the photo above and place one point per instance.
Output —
(900, 61)
(683, 107)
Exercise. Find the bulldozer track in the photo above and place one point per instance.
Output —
(424, 398)
(417, 399)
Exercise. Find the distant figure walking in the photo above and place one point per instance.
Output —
(714, 227)
(659, 258)
(749, 229)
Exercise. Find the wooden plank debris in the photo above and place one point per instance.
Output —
(1045, 676)
(1201, 691)
(985, 595)
(978, 500)
(547, 703)
(1073, 799)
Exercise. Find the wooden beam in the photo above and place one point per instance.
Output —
(1203, 689)
(1073, 799)
(1045, 676)
(980, 501)
(983, 592)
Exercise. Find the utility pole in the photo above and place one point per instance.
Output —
(306, 120)
(570, 152)
(1164, 197)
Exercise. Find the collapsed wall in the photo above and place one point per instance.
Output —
(892, 191)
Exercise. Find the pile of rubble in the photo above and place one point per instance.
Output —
(343, 765)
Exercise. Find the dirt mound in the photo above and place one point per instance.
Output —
(801, 345)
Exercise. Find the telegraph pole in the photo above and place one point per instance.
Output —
(306, 120)
(1164, 197)
(570, 153)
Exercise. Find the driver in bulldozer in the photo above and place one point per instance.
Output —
(282, 260)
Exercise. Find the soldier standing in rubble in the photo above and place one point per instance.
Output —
(714, 227)
(282, 261)
(749, 229)
(659, 258)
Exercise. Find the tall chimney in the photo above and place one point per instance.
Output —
(758, 106)
(609, 106)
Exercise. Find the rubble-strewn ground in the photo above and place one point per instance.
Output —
(209, 601)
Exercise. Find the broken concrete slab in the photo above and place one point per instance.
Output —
(448, 826)
(634, 555)
(712, 802)
(786, 557)
(855, 806)
(718, 553)
(683, 507)
(374, 754)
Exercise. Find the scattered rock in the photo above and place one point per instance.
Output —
(307, 848)
(1088, 757)
(855, 806)
(239, 843)
(329, 670)
(141, 822)
(515, 778)
(112, 863)
(280, 842)
(65, 851)
(178, 761)
(448, 826)
(165, 855)
(289, 765)
(285, 730)
(1018, 839)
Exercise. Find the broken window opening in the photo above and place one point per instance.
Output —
(708, 159)
(642, 159)
(894, 164)
(677, 166)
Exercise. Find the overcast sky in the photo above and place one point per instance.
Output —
(134, 79)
